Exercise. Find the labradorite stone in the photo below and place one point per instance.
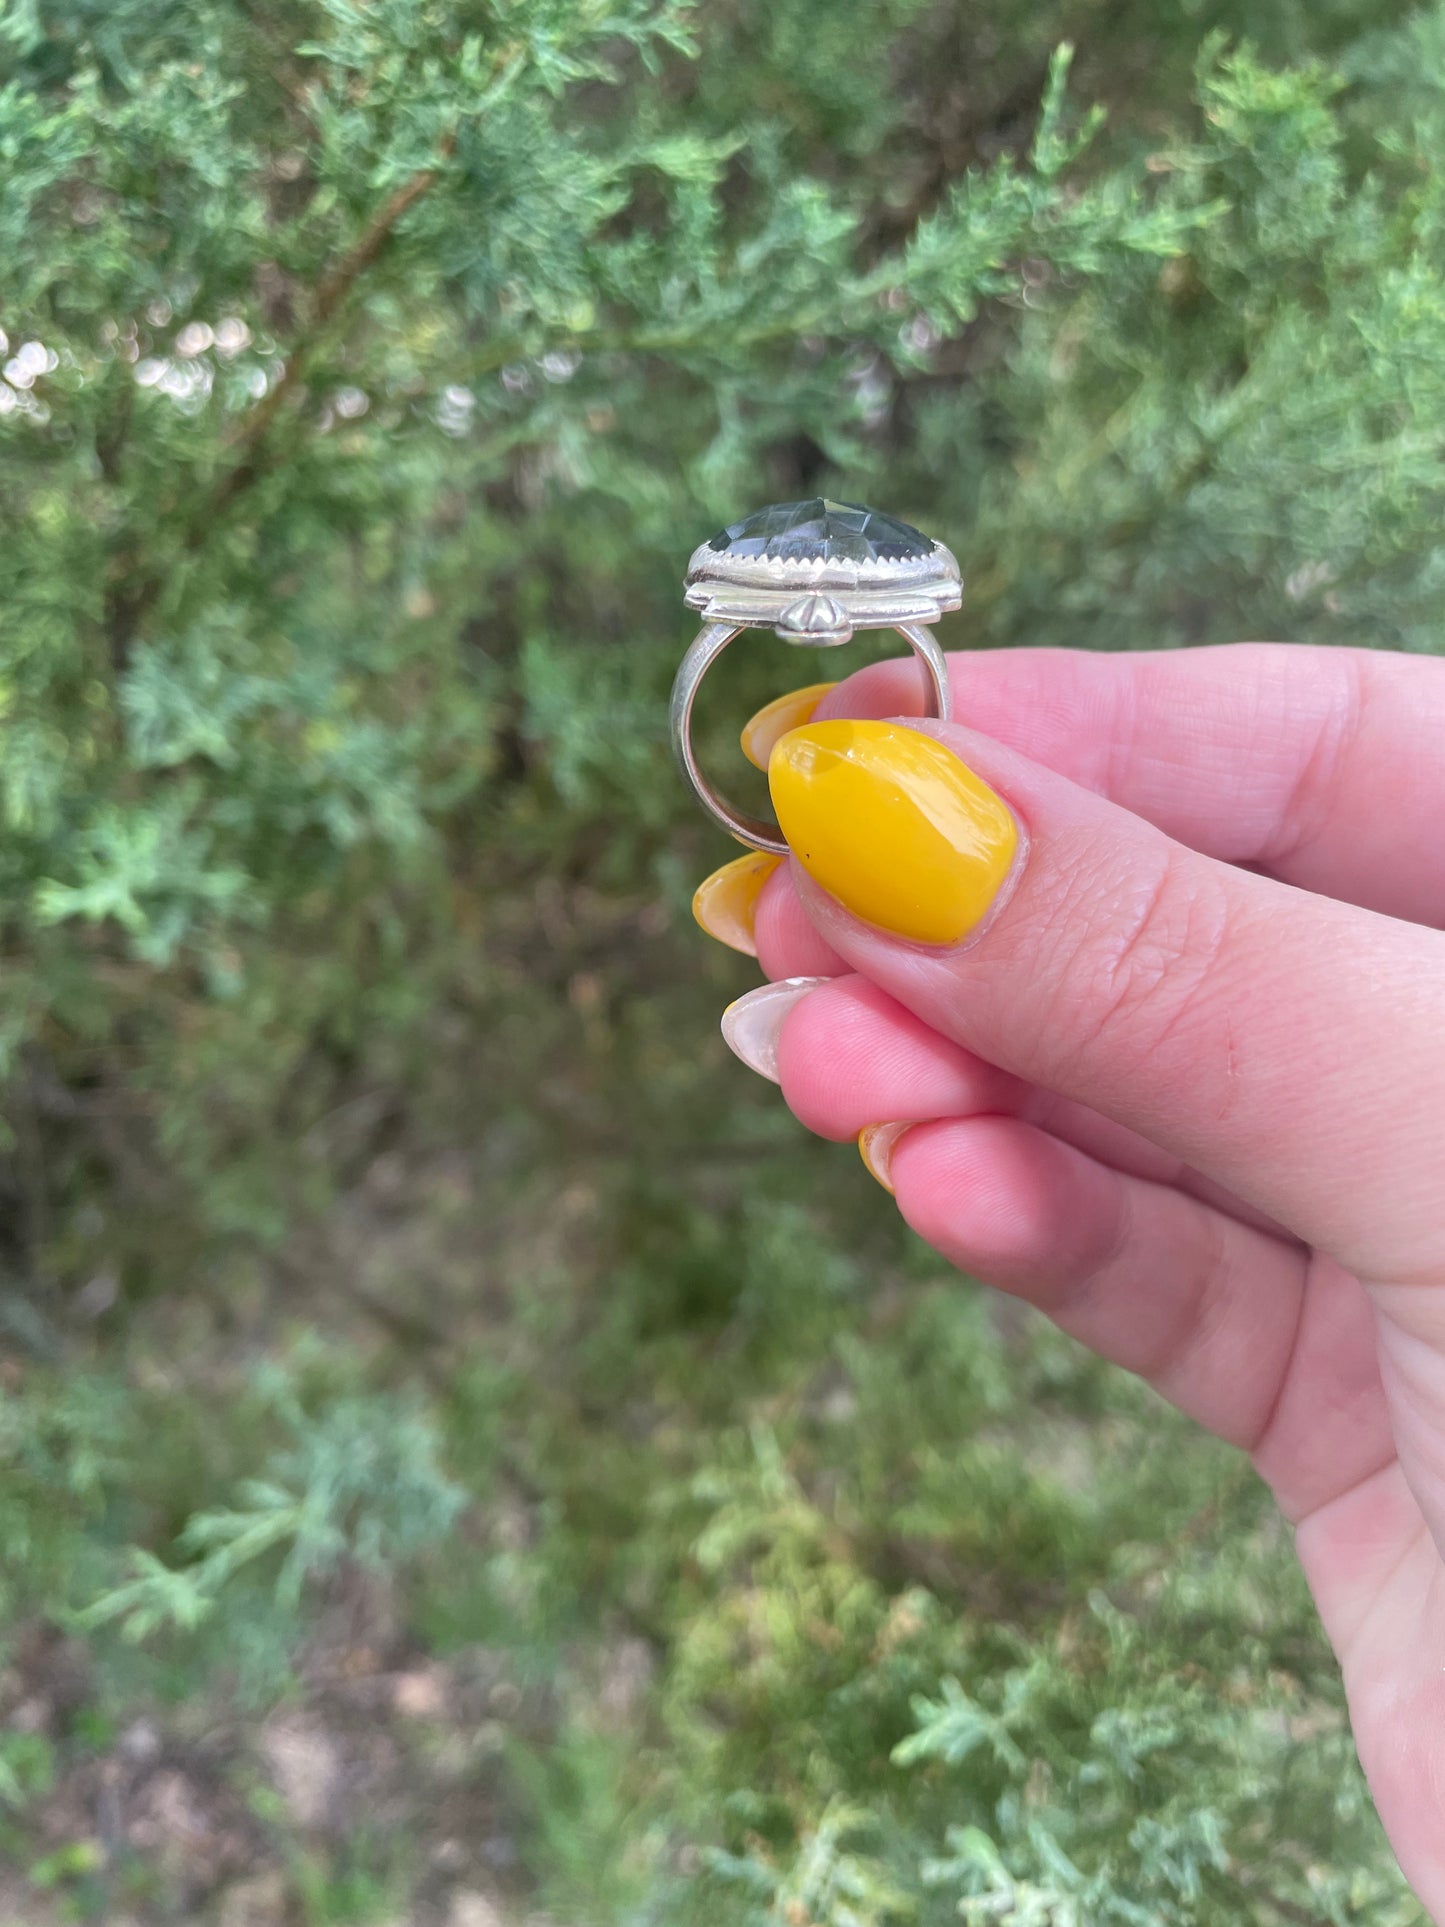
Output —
(822, 531)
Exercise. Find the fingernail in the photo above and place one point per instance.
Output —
(726, 903)
(894, 826)
(778, 717)
(751, 1025)
(876, 1145)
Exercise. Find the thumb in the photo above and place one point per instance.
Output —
(1289, 1046)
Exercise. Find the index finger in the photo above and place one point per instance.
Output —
(1320, 766)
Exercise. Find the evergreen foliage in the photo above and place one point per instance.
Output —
(387, 1238)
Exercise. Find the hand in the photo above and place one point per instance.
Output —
(1148, 959)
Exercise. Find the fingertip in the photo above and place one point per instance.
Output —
(1005, 1201)
(897, 687)
(854, 1057)
(788, 943)
(830, 1058)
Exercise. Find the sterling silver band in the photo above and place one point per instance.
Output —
(755, 831)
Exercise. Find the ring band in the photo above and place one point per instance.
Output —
(756, 831)
(814, 572)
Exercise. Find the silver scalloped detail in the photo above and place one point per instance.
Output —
(815, 619)
(779, 572)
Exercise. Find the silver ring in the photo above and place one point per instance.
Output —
(814, 572)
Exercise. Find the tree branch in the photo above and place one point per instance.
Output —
(129, 603)
(331, 297)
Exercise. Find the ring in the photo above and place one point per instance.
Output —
(813, 572)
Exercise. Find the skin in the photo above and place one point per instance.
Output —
(1185, 1090)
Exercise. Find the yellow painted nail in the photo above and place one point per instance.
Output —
(727, 902)
(776, 718)
(876, 1144)
(894, 826)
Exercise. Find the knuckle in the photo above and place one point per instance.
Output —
(1149, 956)
(1339, 729)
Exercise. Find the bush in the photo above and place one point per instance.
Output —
(372, 370)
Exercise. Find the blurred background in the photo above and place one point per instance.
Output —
(466, 1458)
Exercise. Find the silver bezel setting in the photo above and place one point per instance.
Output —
(769, 592)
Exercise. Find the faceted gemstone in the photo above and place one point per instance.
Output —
(822, 531)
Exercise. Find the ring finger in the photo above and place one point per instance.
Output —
(849, 1056)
